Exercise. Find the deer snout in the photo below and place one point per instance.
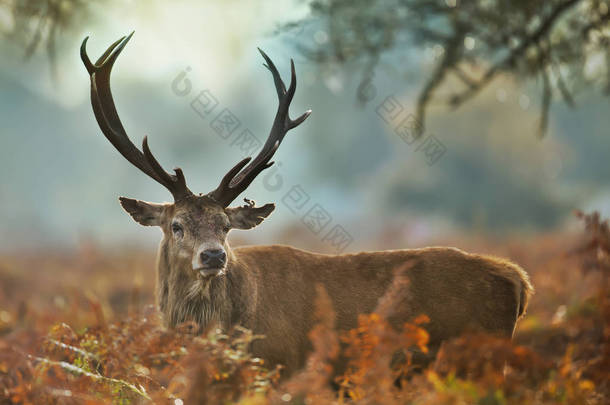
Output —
(213, 258)
(209, 262)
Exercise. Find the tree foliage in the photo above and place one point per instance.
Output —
(36, 24)
(565, 44)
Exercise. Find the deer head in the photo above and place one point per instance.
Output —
(195, 227)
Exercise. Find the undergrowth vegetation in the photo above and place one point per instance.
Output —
(81, 328)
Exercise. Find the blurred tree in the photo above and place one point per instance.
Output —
(564, 43)
(37, 23)
(493, 178)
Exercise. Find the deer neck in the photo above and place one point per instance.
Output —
(183, 298)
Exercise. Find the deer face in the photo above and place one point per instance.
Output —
(196, 229)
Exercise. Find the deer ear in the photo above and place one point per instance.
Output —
(248, 216)
(143, 212)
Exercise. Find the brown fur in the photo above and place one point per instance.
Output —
(271, 289)
(458, 291)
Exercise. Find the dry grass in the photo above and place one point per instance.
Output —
(80, 328)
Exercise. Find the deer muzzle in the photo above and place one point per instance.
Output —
(209, 262)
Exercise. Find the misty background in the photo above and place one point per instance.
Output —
(60, 178)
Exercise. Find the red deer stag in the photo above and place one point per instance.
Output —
(271, 289)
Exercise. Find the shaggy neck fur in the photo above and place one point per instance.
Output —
(184, 298)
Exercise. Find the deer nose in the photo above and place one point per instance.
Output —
(213, 257)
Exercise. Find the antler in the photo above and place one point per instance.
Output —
(110, 123)
(237, 180)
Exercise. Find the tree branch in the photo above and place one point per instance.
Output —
(512, 57)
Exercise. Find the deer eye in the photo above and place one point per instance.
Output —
(177, 229)
(226, 228)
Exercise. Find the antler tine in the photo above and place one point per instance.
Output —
(175, 183)
(277, 79)
(225, 193)
(231, 173)
(110, 123)
(285, 96)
